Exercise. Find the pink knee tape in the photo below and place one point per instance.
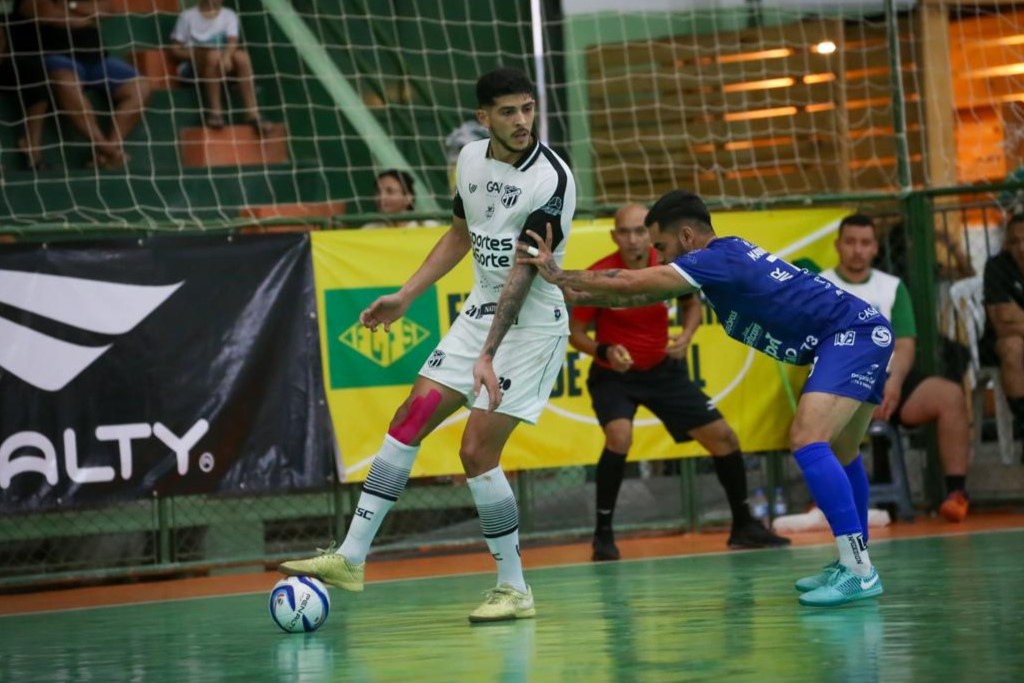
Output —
(420, 412)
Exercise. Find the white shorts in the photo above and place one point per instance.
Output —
(527, 365)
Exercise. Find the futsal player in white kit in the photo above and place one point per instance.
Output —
(502, 355)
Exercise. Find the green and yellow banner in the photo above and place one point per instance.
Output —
(368, 375)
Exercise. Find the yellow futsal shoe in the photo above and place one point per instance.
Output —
(503, 604)
(330, 567)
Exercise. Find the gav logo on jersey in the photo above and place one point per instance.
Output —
(106, 308)
(357, 357)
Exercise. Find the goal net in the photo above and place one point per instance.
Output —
(740, 100)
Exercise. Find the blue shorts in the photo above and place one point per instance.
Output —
(854, 362)
(109, 71)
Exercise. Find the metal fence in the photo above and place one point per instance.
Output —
(193, 534)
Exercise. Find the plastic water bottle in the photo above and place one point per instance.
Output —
(779, 508)
(759, 505)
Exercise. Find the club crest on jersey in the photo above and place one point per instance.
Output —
(472, 187)
(510, 196)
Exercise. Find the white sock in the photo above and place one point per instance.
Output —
(499, 520)
(383, 485)
(853, 553)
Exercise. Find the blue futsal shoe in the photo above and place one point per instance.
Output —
(843, 586)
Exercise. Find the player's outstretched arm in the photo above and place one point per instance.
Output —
(612, 287)
(513, 294)
(448, 251)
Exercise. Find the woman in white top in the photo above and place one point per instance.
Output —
(206, 43)
(395, 194)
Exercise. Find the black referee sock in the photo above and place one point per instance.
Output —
(610, 470)
(732, 474)
(955, 483)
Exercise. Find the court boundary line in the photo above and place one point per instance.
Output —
(410, 579)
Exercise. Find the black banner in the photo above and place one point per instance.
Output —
(174, 366)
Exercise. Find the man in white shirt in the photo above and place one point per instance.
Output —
(910, 398)
(206, 45)
(505, 185)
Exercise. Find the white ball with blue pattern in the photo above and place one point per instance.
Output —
(299, 604)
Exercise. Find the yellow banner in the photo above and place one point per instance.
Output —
(369, 375)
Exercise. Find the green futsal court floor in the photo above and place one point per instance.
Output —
(953, 611)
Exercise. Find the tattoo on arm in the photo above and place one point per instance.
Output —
(608, 300)
(513, 294)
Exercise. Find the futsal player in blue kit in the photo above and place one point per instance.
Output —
(793, 316)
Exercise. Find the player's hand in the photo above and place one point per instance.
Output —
(384, 311)
(619, 358)
(677, 346)
(890, 399)
(227, 62)
(540, 255)
(483, 376)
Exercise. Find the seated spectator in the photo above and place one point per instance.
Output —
(395, 195)
(69, 36)
(23, 78)
(206, 45)
(1004, 319)
(910, 399)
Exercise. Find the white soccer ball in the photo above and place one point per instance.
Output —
(299, 604)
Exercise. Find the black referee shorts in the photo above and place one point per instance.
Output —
(665, 390)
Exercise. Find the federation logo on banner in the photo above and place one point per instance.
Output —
(358, 357)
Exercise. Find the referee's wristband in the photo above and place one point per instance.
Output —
(602, 351)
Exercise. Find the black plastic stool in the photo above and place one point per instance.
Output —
(896, 491)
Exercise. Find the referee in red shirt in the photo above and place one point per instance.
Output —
(637, 363)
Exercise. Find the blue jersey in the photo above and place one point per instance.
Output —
(769, 304)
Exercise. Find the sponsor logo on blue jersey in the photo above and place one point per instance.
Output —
(881, 336)
(846, 338)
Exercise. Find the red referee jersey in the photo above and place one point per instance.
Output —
(642, 329)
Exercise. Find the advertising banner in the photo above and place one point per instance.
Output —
(369, 374)
(171, 366)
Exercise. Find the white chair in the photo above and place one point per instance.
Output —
(967, 323)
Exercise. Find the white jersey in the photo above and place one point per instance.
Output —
(499, 201)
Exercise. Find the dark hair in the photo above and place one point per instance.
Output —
(1014, 219)
(858, 220)
(501, 82)
(405, 180)
(680, 206)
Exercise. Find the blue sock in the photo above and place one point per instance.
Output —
(861, 491)
(829, 487)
